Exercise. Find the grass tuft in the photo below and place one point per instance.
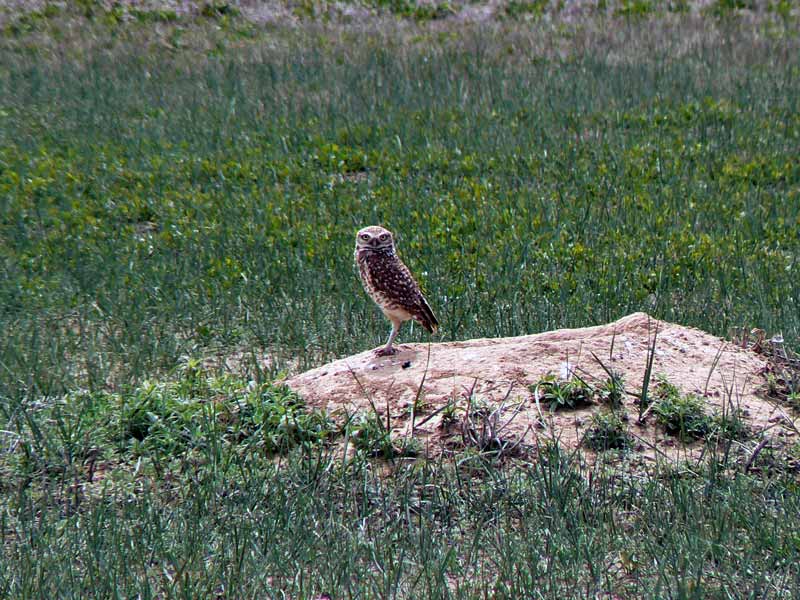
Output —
(563, 393)
(607, 431)
(682, 415)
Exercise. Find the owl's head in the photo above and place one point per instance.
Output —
(375, 239)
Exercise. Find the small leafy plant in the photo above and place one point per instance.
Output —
(607, 432)
(576, 392)
(564, 393)
(282, 421)
(370, 435)
(682, 415)
(664, 388)
(612, 392)
(516, 9)
(166, 417)
(730, 426)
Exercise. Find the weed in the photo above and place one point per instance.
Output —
(417, 11)
(635, 8)
(280, 419)
(32, 21)
(606, 432)
(782, 7)
(730, 425)
(370, 435)
(563, 394)
(576, 392)
(482, 428)
(679, 6)
(449, 415)
(644, 399)
(665, 389)
(682, 415)
(161, 419)
(219, 10)
(612, 391)
(516, 9)
(727, 8)
(154, 16)
(782, 375)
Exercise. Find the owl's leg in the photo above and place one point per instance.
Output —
(388, 350)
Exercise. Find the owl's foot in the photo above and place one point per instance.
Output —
(386, 351)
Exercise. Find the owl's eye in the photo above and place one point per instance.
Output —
(364, 236)
(384, 237)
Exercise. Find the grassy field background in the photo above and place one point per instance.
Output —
(176, 189)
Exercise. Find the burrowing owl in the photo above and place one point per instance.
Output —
(390, 284)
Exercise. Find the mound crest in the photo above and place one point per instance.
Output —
(437, 394)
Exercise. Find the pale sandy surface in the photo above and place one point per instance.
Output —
(501, 371)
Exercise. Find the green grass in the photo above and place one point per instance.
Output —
(575, 392)
(311, 525)
(683, 416)
(607, 431)
(153, 207)
(564, 394)
(174, 188)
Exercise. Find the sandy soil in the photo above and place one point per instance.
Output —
(496, 374)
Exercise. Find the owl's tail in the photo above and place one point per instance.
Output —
(426, 318)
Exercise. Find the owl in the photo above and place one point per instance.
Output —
(390, 284)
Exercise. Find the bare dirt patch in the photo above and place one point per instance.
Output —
(427, 389)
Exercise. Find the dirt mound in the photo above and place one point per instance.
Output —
(416, 384)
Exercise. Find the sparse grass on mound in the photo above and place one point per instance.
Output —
(682, 415)
(607, 431)
(176, 185)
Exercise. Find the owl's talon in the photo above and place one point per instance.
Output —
(386, 351)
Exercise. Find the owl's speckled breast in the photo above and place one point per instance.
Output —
(387, 280)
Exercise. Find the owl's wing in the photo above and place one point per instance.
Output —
(394, 280)
(429, 321)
